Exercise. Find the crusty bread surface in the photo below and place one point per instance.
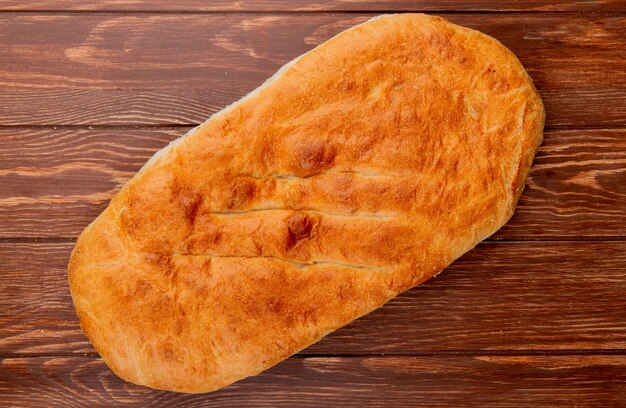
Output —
(359, 170)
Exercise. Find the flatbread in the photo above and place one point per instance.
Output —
(359, 170)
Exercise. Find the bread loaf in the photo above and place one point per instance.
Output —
(359, 170)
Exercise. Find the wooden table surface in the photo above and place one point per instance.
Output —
(534, 316)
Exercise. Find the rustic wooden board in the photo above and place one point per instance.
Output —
(442, 381)
(53, 182)
(500, 296)
(317, 5)
(538, 320)
(177, 69)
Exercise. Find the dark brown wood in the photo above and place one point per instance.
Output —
(53, 182)
(500, 296)
(317, 5)
(531, 323)
(178, 69)
(442, 381)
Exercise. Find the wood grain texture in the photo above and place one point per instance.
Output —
(316, 5)
(494, 381)
(53, 182)
(510, 324)
(121, 69)
(496, 297)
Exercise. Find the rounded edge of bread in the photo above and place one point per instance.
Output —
(101, 248)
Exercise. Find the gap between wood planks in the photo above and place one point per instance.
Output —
(176, 126)
(442, 353)
(616, 238)
(320, 12)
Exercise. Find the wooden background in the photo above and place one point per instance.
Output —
(535, 316)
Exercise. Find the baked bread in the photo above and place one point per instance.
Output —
(359, 170)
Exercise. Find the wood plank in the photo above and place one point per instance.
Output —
(53, 182)
(495, 381)
(317, 5)
(567, 108)
(177, 69)
(500, 296)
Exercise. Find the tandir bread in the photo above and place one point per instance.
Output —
(359, 170)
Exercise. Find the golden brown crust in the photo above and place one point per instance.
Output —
(360, 170)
